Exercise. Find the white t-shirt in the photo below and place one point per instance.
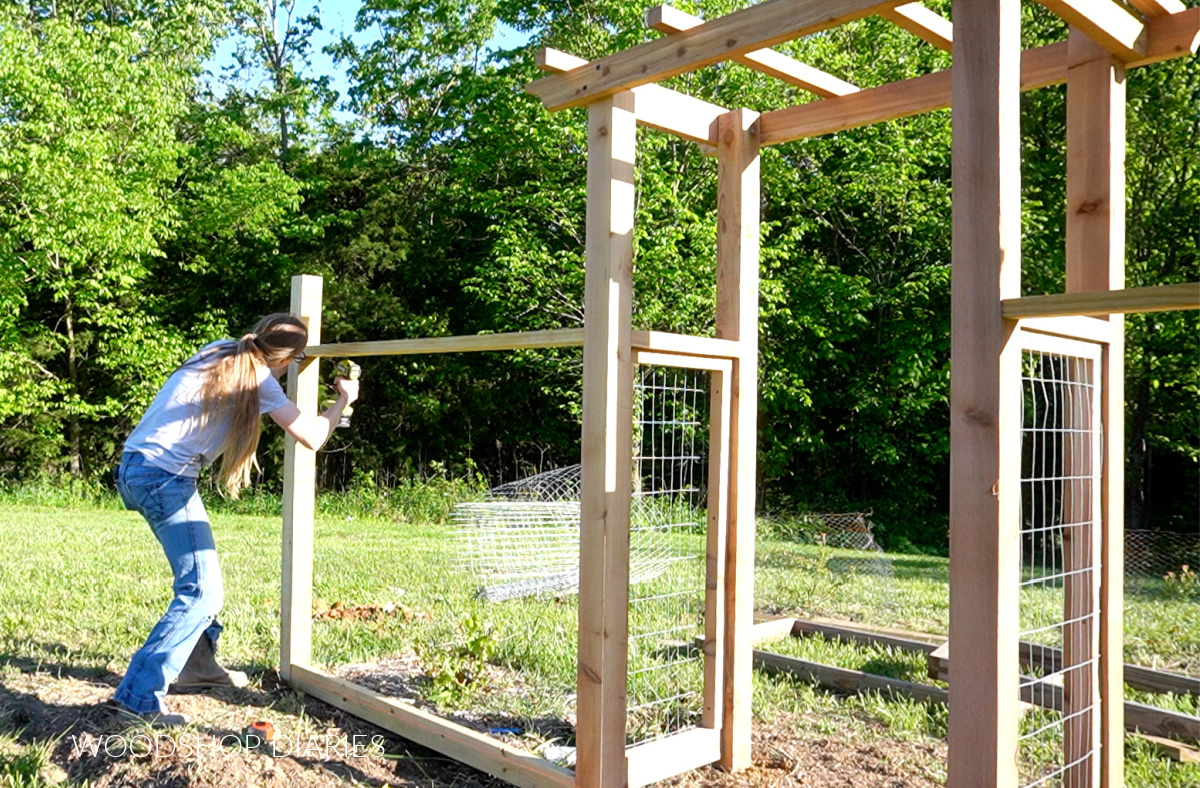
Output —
(169, 434)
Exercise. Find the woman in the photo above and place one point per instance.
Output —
(210, 407)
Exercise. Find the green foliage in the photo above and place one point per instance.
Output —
(455, 204)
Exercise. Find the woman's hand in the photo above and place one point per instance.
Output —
(347, 388)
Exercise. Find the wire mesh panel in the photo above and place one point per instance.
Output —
(667, 552)
(1060, 539)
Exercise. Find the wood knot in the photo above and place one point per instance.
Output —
(731, 43)
(1088, 207)
(981, 417)
(681, 52)
(602, 131)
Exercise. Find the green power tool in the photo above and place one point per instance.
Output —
(349, 370)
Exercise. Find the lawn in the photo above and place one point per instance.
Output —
(80, 587)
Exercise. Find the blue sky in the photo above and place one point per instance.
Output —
(337, 17)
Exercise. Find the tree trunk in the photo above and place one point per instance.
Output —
(73, 426)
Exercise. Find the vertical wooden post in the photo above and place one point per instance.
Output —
(985, 392)
(1096, 261)
(607, 448)
(737, 319)
(715, 550)
(299, 495)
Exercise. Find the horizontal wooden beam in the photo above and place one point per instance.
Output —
(1088, 329)
(863, 637)
(651, 341)
(1105, 302)
(670, 20)
(771, 629)
(1138, 716)
(455, 741)
(845, 679)
(743, 31)
(1049, 659)
(654, 105)
(685, 344)
(1167, 37)
(1153, 8)
(653, 358)
(923, 23)
(516, 340)
(680, 752)
(1172, 749)
(1106, 23)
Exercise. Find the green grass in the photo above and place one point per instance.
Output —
(81, 585)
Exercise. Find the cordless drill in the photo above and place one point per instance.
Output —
(349, 370)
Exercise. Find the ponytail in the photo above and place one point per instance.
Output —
(231, 392)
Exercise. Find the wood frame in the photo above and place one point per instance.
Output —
(988, 319)
(1095, 260)
(985, 450)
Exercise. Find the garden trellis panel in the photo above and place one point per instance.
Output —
(989, 319)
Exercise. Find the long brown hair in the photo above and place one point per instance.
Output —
(231, 391)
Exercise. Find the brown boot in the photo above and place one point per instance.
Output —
(202, 671)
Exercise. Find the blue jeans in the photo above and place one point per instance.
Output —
(178, 519)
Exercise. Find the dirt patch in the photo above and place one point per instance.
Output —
(318, 745)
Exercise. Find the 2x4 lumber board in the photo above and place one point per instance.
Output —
(1174, 750)
(607, 444)
(1162, 298)
(513, 340)
(1095, 260)
(1167, 37)
(772, 629)
(651, 358)
(743, 31)
(1087, 329)
(657, 107)
(670, 20)
(685, 345)
(862, 637)
(453, 740)
(680, 752)
(985, 394)
(1106, 23)
(1136, 676)
(923, 23)
(299, 495)
(738, 221)
(1155, 8)
(1136, 716)
(846, 679)
(716, 540)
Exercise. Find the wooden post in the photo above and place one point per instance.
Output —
(985, 392)
(737, 319)
(1096, 261)
(606, 445)
(300, 495)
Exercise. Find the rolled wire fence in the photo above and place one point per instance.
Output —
(1060, 565)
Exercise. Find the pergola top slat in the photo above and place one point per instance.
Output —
(655, 106)
(1153, 8)
(670, 20)
(1106, 23)
(1167, 37)
(744, 31)
(923, 23)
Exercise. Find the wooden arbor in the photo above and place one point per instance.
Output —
(991, 323)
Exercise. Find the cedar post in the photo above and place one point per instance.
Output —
(1096, 261)
(985, 430)
(299, 494)
(737, 319)
(607, 449)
